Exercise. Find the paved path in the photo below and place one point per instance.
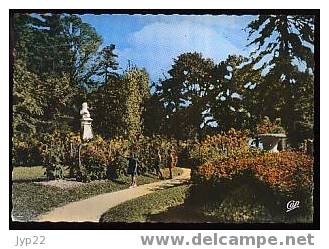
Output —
(91, 209)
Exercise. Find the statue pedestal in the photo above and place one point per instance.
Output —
(86, 129)
(270, 141)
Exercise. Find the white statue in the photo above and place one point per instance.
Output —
(84, 111)
(86, 130)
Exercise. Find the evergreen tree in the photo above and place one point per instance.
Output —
(107, 64)
(285, 52)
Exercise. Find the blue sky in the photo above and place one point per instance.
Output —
(153, 41)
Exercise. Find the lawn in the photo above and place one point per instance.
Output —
(30, 199)
(34, 173)
(142, 208)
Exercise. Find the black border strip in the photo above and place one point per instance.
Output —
(175, 11)
(14, 225)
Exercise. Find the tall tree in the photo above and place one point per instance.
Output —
(185, 92)
(84, 44)
(40, 105)
(201, 96)
(135, 90)
(285, 52)
(107, 108)
(118, 107)
(57, 43)
(52, 54)
(28, 101)
(283, 40)
(154, 116)
(231, 99)
(107, 64)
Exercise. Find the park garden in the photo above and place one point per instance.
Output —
(242, 126)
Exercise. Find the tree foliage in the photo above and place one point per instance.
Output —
(107, 108)
(184, 93)
(28, 100)
(59, 63)
(107, 64)
(286, 38)
(232, 102)
(135, 91)
(285, 52)
(56, 43)
(201, 97)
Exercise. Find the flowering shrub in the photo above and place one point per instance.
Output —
(99, 158)
(108, 159)
(267, 126)
(95, 158)
(286, 172)
(233, 144)
(272, 179)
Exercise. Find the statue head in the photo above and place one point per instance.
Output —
(84, 106)
(84, 111)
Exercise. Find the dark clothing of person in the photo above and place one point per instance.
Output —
(169, 163)
(157, 167)
(132, 166)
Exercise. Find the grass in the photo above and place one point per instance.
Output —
(140, 209)
(241, 205)
(30, 199)
(34, 173)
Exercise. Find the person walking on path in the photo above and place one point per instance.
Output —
(158, 164)
(132, 169)
(172, 161)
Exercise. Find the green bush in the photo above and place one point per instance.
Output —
(241, 205)
(55, 155)
(26, 152)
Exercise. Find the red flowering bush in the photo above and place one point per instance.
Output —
(286, 171)
(95, 159)
(272, 179)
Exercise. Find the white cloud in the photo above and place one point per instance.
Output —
(156, 44)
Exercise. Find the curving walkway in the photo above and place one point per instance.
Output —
(92, 208)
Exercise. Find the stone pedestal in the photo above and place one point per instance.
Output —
(270, 141)
(86, 129)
